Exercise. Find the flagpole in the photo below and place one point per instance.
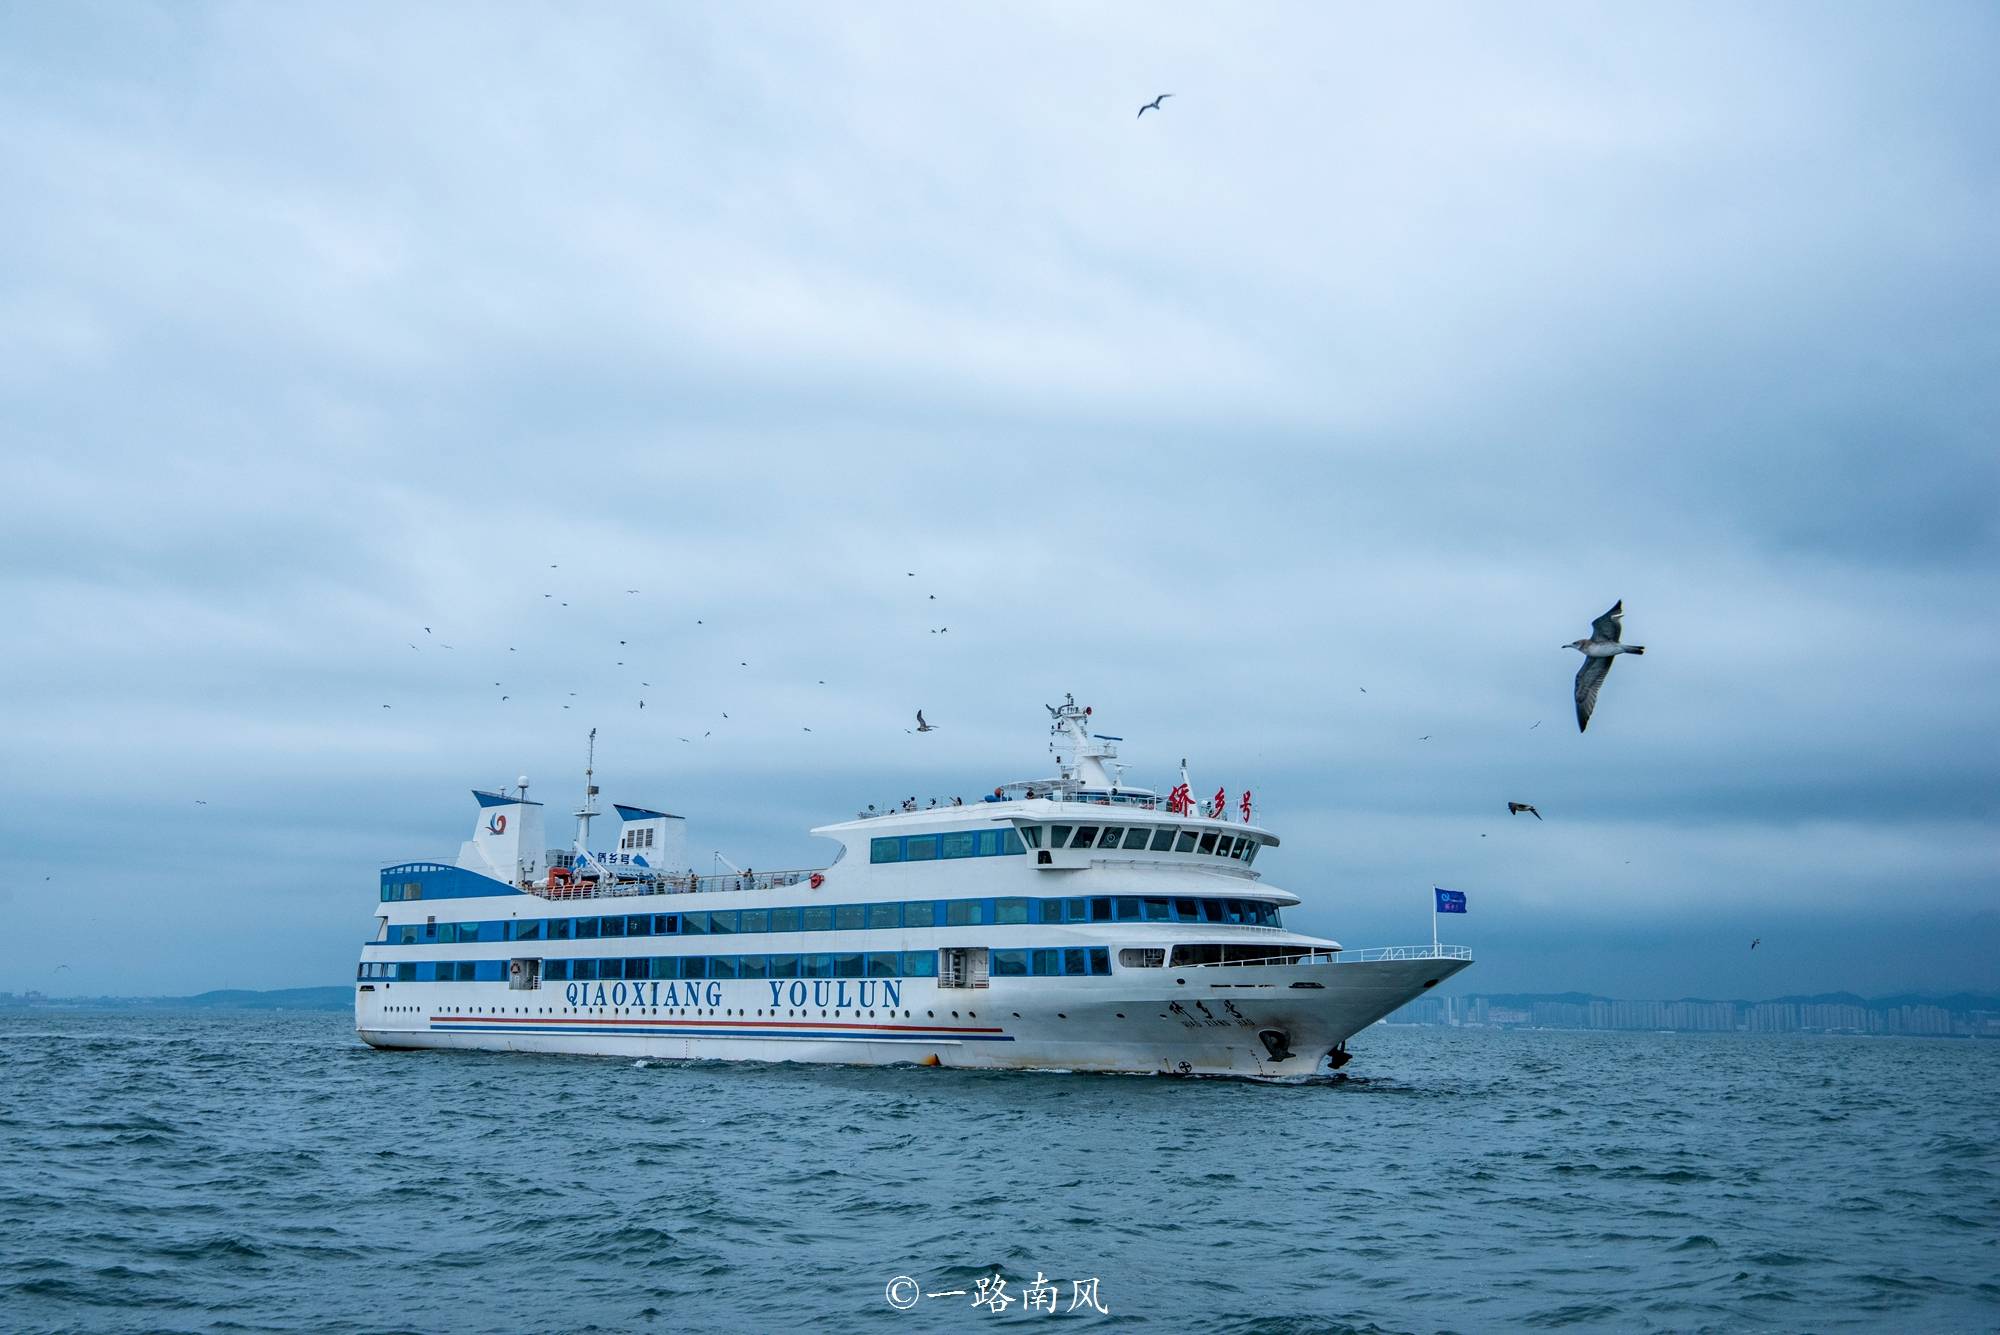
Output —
(1434, 923)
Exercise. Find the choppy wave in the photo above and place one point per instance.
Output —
(264, 1172)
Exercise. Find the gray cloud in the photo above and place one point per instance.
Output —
(1399, 349)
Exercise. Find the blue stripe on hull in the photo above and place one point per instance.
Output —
(637, 1032)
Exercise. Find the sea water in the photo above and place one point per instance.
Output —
(198, 1171)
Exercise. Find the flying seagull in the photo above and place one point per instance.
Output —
(1154, 105)
(1516, 808)
(1753, 944)
(923, 726)
(1598, 651)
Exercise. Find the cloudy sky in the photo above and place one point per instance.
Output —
(1395, 347)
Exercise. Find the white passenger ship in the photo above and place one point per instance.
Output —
(1071, 922)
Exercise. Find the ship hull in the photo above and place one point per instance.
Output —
(1270, 1021)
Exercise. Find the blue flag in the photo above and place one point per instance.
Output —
(1449, 901)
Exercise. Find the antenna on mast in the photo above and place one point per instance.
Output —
(589, 807)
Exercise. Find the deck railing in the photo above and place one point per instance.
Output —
(1344, 956)
(667, 885)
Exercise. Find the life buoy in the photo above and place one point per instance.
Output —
(816, 880)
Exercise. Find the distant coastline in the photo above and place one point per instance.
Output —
(1959, 1015)
(336, 998)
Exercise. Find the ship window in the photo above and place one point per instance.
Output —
(818, 918)
(583, 971)
(1250, 853)
(785, 919)
(847, 917)
(1163, 839)
(586, 929)
(722, 966)
(784, 966)
(960, 844)
(610, 927)
(1010, 842)
(1046, 963)
(1076, 962)
(555, 971)
(1032, 833)
(919, 913)
(1211, 910)
(1128, 908)
(1135, 838)
(883, 963)
(1184, 844)
(1100, 910)
(751, 966)
(1208, 842)
(885, 850)
(1052, 910)
(1142, 957)
(1059, 835)
(694, 924)
(1086, 835)
(529, 929)
(847, 965)
(921, 848)
(756, 920)
(406, 973)
(1158, 910)
(1079, 910)
(1010, 910)
(639, 925)
(964, 912)
(666, 966)
(920, 963)
(816, 966)
(722, 923)
(884, 915)
(559, 929)
(1100, 961)
(1109, 838)
(1010, 963)
(1237, 852)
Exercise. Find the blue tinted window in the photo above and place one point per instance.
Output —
(1157, 910)
(666, 966)
(583, 970)
(920, 848)
(959, 844)
(1010, 841)
(694, 966)
(1051, 910)
(666, 924)
(751, 966)
(1047, 963)
(883, 964)
(610, 927)
(784, 966)
(920, 913)
(1100, 960)
(920, 963)
(785, 919)
(1128, 908)
(694, 924)
(847, 917)
(964, 912)
(406, 973)
(1010, 963)
(1010, 910)
(885, 850)
(847, 965)
(989, 843)
(816, 966)
(819, 918)
(1076, 961)
(559, 929)
(756, 920)
(586, 929)
(639, 925)
(722, 966)
(722, 923)
(884, 915)
(1100, 909)
(555, 971)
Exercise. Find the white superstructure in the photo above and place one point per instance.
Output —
(1071, 922)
